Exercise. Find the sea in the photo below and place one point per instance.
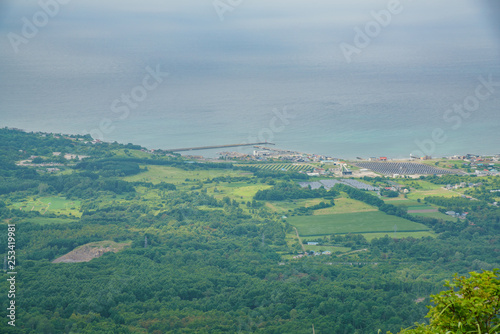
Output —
(396, 98)
(338, 113)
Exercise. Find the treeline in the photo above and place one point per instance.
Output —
(289, 190)
(484, 216)
(310, 209)
(110, 167)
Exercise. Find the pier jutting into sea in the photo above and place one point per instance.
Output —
(215, 146)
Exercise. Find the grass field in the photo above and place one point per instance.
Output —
(397, 235)
(414, 195)
(402, 202)
(58, 205)
(437, 215)
(285, 206)
(416, 235)
(285, 167)
(421, 207)
(361, 222)
(345, 205)
(240, 191)
(157, 174)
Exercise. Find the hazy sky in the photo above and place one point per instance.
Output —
(255, 33)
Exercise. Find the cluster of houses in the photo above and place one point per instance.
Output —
(397, 187)
(487, 172)
(463, 185)
(475, 158)
(457, 215)
(483, 166)
(311, 253)
(266, 154)
(70, 156)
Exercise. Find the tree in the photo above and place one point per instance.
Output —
(470, 305)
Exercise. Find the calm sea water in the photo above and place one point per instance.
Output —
(233, 83)
(333, 112)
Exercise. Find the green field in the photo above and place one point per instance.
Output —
(421, 207)
(414, 195)
(236, 190)
(437, 215)
(58, 205)
(157, 174)
(402, 202)
(285, 167)
(416, 235)
(285, 206)
(363, 222)
(345, 205)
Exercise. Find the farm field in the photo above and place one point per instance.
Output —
(422, 234)
(285, 167)
(421, 207)
(285, 206)
(58, 205)
(402, 202)
(363, 222)
(157, 174)
(414, 195)
(345, 205)
(236, 190)
(419, 185)
(437, 215)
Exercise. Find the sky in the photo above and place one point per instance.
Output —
(84, 53)
(241, 32)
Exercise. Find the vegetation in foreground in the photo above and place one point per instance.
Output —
(208, 254)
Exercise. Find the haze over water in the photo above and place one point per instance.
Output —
(231, 81)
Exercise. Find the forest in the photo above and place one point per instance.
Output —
(208, 246)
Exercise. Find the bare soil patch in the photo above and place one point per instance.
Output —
(90, 251)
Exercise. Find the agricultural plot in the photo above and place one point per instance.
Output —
(399, 235)
(236, 190)
(285, 206)
(360, 222)
(345, 205)
(414, 195)
(423, 210)
(286, 167)
(423, 207)
(57, 205)
(177, 176)
(437, 215)
(402, 202)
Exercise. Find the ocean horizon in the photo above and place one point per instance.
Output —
(210, 82)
